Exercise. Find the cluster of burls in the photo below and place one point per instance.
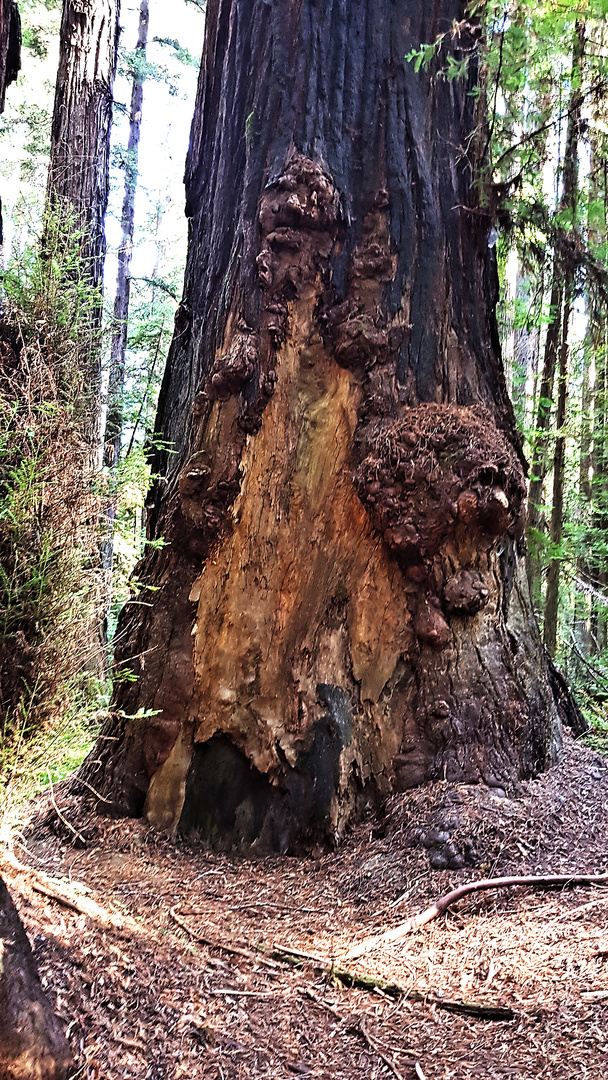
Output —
(438, 467)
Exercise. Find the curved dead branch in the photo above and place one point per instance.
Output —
(397, 933)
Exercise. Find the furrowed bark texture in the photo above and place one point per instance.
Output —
(78, 181)
(341, 610)
(32, 1043)
(10, 56)
(10, 46)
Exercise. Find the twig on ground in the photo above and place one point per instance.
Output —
(362, 1028)
(227, 992)
(232, 949)
(60, 815)
(398, 933)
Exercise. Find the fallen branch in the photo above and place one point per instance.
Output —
(398, 933)
(234, 950)
(373, 983)
(295, 958)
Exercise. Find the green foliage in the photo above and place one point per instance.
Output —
(184, 56)
(50, 584)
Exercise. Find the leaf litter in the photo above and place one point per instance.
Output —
(160, 975)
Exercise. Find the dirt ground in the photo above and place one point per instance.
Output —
(142, 996)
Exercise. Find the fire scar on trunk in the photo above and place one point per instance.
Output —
(352, 629)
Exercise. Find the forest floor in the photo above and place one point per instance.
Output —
(142, 996)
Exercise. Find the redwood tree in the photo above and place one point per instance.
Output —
(339, 609)
(78, 181)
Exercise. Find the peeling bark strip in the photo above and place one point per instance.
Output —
(340, 609)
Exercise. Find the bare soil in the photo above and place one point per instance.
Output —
(142, 996)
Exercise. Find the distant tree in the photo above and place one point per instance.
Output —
(114, 421)
(80, 145)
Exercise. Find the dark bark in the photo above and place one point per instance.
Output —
(344, 501)
(80, 145)
(10, 57)
(32, 1043)
(569, 712)
(10, 46)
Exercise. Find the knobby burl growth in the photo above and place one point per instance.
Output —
(442, 485)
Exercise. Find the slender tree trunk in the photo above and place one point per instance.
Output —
(559, 463)
(568, 204)
(340, 610)
(80, 142)
(599, 517)
(543, 420)
(598, 351)
(114, 421)
(582, 606)
(114, 418)
(539, 456)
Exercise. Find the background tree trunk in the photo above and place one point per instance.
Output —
(80, 146)
(10, 57)
(568, 205)
(341, 610)
(114, 421)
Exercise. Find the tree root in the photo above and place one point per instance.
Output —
(398, 933)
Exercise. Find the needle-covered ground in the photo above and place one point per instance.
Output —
(142, 996)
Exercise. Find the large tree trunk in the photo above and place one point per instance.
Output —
(340, 608)
(32, 1043)
(80, 145)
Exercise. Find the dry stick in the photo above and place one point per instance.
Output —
(60, 815)
(398, 933)
(377, 1049)
(233, 949)
(294, 958)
